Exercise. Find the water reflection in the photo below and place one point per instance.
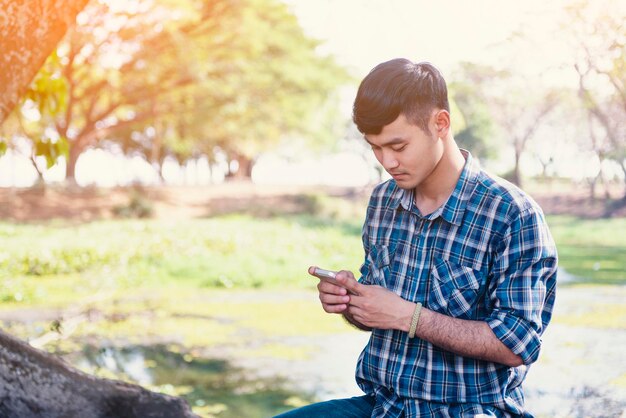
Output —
(214, 387)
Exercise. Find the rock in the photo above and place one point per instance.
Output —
(35, 384)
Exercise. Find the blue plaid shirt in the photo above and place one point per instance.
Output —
(485, 255)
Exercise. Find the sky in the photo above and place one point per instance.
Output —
(363, 33)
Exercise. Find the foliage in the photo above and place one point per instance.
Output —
(230, 251)
(183, 79)
(468, 91)
(44, 100)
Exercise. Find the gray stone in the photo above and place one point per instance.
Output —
(36, 384)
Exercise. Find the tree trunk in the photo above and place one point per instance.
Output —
(623, 166)
(29, 32)
(35, 384)
(517, 175)
(592, 186)
(70, 168)
(40, 180)
(244, 169)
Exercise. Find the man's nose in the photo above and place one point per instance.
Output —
(389, 160)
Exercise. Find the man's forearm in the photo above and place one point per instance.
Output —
(464, 337)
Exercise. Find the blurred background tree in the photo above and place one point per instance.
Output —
(180, 79)
(468, 89)
(598, 34)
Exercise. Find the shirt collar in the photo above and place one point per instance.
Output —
(452, 211)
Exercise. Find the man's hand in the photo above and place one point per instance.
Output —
(376, 306)
(334, 298)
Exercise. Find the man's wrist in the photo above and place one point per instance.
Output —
(417, 310)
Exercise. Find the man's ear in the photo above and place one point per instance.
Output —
(442, 122)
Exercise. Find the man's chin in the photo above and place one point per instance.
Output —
(404, 182)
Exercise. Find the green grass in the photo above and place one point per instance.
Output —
(229, 252)
(170, 279)
(57, 263)
(592, 250)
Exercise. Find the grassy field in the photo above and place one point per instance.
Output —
(230, 251)
(55, 261)
(594, 250)
(186, 291)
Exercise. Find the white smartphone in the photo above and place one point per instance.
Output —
(328, 275)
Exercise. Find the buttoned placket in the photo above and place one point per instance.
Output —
(418, 226)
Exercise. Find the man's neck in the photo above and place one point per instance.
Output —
(438, 187)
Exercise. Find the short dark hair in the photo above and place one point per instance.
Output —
(396, 87)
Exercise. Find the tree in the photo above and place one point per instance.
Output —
(501, 107)
(182, 78)
(520, 115)
(600, 38)
(36, 384)
(276, 88)
(469, 90)
(123, 67)
(29, 32)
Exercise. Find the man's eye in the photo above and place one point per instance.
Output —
(399, 148)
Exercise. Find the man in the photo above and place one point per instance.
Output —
(459, 277)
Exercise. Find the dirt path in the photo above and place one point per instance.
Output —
(87, 204)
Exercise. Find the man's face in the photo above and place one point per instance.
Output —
(406, 152)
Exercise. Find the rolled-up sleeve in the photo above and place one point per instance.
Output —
(522, 284)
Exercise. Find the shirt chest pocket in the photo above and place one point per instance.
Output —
(454, 289)
(379, 259)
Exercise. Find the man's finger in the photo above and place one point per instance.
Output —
(325, 287)
(334, 308)
(355, 312)
(347, 280)
(329, 299)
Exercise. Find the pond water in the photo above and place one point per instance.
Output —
(213, 387)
